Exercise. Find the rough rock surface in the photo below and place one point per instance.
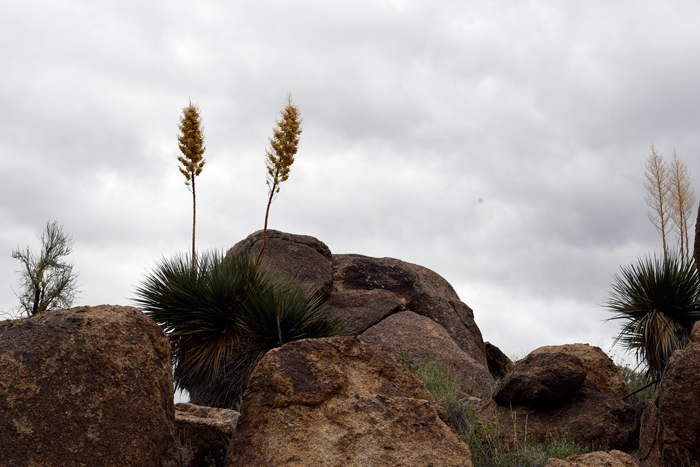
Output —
(203, 431)
(301, 256)
(695, 332)
(542, 379)
(593, 418)
(362, 309)
(600, 369)
(498, 362)
(419, 289)
(340, 402)
(421, 339)
(670, 431)
(86, 386)
(613, 458)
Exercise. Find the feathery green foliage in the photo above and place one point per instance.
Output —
(47, 281)
(280, 157)
(658, 300)
(223, 315)
(191, 143)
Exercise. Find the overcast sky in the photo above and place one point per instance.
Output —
(501, 144)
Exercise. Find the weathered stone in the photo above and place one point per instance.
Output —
(498, 362)
(422, 339)
(600, 369)
(86, 386)
(695, 332)
(670, 431)
(613, 458)
(592, 418)
(203, 432)
(362, 309)
(300, 256)
(340, 402)
(541, 380)
(420, 290)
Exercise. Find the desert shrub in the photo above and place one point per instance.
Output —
(485, 441)
(637, 380)
(222, 315)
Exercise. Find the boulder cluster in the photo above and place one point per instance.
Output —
(93, 385)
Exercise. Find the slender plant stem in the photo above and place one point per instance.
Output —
(267, 213)
(194, 218)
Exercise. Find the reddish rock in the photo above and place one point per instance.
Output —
(670, 431)
(541, 380)
(340, 402)
(498, 362)
(695, 332)
(362, 309)
(592, 418)
(613, 458)
(86, 386)
(300, 256)
(420, 290)
(422, 339)
(600, 369)
(203, 432)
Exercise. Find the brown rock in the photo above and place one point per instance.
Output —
(613, 458)
(670, 431)
(420, 290)
(203, 432)
(422, 339)
(592, 418)
(498, 362)
(695, 332)
(300, 256)
(362, 309)
(86, 386)
(600, 369)
(541, 380)
(339, 402)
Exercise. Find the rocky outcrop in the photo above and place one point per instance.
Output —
(670, 430)
(203, 432)
(419, 289)
(86, 386)
(600, 369)
(340, 402)
(300, 256)
(422, 339)
(541, 380)
(613, 458)
(498, 362)
(362, 309)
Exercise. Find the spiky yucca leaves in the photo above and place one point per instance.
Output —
(658, 300)
(222, 316)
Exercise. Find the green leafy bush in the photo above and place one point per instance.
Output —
(222, 315)
(658, 300)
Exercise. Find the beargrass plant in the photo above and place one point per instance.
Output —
(658, 301)
(485, 441)
(222, 315)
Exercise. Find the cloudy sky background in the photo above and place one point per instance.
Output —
(501, 144)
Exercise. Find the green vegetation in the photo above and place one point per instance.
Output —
(223, 315)
(658, 300)
(485, 442)
(47, 281)
(636, 381)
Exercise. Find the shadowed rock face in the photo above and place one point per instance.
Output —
(86, 386)
(498, 362)
(203, 432)
(600, 369)
(340, 402)
(670, 431)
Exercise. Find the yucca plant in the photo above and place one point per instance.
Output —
(223, 315)
(658, 301)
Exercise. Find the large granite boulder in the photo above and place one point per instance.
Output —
(361, 309)
(498, 362)
(419, 289)
(422, 339)
(613, 458)
(86, 386)
(203, 432)
(600, 369)
(300, 256)
(340, 402)
(670, 431)
(541, 380)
